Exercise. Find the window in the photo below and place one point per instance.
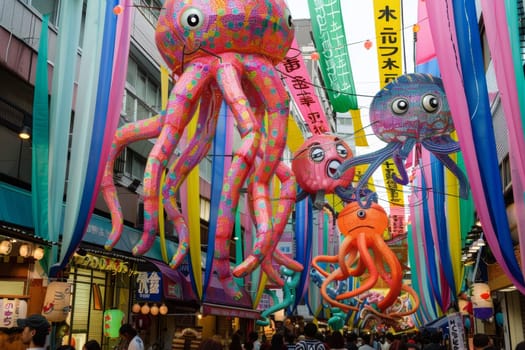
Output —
(142, 98)
(45, 7)
(506, 178)
(135, 164)
(150, 9)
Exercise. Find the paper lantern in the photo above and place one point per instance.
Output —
(25, 250)
(368, 44)
(38, 253)
(163, 309)
(5, 247)
(135, 308)
(118, 9)
(144, 309)
(154, 310)
(112, 322)
(481, 298)
(315, 56)
(57, 302)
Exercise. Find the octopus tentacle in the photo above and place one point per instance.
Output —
(365, 256)
(241, 164)
(184, 95)
(325, 259)
(375, 159)
(124, 136)
(454, 169)
(179, 170)
(399, 159)
(336, 275)
(277, 106)
(394, 279)
(441, 144)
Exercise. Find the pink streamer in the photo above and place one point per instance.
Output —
(444, 34)
(424, 45)
(118, 83)
(501, 53)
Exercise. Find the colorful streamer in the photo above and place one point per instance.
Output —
(329, 37)
(40, 149)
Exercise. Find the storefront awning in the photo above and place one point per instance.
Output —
(176, 285)
(218, 302)
(229, 311)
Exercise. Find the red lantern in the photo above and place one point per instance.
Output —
(118, 9)
(315, 56)
(368, 44)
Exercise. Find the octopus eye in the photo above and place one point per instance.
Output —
(361, 213)
(430, 103)
(288, 18)
(317, 154)
(192, 18)
(341, 150)
(400, 106)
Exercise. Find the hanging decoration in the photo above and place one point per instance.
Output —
(112, 322)
(481, 298)
(295, 76)
(315, 166)
(330, 39)
(211, 71)
(410, 110)
(57, 301)
(363, 251)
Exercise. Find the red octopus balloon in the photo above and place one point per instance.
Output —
(364, 251)
(316, 162)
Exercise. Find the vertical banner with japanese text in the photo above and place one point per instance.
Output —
(297, 80)
(330, 40)
(387, 16)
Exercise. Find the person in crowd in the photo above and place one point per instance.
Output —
(253, 338)
(351, 339)
(265, 343)
(66, 347)
(278, 342)
(310, 342)
(289, 339)
(482, 342)
(365, 342)
(235, 343)
(35, 331)
(210, 344)
(91, 345)
(131, 337)
(389, 338)
(520, 346)
(434, 342)
(336, 341)
(398, 344)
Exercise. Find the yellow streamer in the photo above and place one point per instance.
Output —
(260, 289)
(454, 225)
(194, 216)
(295, 137)
(359, 132)
(164, 80)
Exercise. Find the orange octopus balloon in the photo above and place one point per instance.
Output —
(364, 251)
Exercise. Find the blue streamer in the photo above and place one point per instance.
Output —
(303, 229)
(99, 124)
(219, 149)
(438, 185)
(474, 80)
(429, 245)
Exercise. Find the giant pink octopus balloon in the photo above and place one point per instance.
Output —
(220, 50)
(316, 162)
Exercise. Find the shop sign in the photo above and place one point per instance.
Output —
(456, 330)
(149, 286)
(220, 310)
(11, 310)
(101, 263)
(173, 290)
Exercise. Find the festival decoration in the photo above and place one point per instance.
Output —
(329, 36)
(411, 109)
(363, 250)
(112, 322)
(219, 54)
(291, 281)
(57, 301)
(482, 305)
(315, 166)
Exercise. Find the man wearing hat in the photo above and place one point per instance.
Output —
(36, 328)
